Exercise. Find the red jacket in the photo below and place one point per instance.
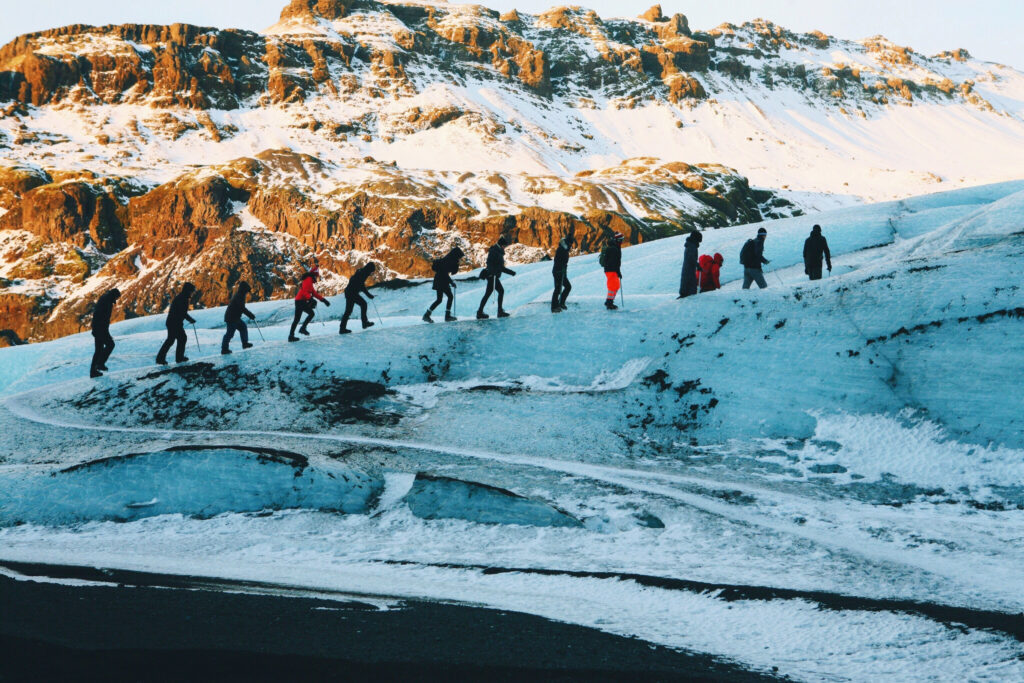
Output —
(307, 290)
(708, 272)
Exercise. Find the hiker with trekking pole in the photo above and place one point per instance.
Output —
(611, 260)
(444, 285)
(492, 273)
(233, 317)
(305, 302)
(356, 287)
(815, 247)
(176, 317)
(559, 271)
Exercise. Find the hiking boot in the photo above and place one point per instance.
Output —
(564, 307)
(293, 338)
(161, 361)
(225, 352)
(344, 330)
(95, 373)
(449, 318)
(556, 309)
(183, 359)
(367, 323)
(103, 368)
(246, 346)
(502, 313)
(480, 315)
(303, 331)
(427, 318)
(610, 305)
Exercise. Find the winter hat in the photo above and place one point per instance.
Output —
(816, 229)
(618, 237)
(188, 286)
(762, 231)
(719, 259)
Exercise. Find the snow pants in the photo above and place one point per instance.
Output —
(753, 275)
(562, 289)
(175, 335)
(104, 347)
(614, 283)
(233, 326)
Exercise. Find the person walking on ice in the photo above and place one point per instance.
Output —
(176, 317)
(444, 268)
(752, 258)
(305, 302)
(815, 247)
(559, 271)
(357, 286)
(493, 272)
(688, 278)
(233, 317)
(101, 331)
(611, 260)
(709, 272)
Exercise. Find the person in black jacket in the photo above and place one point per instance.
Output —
(688, 279)
(233, 318)
(101, 331)
(356, 286)
(559, 271)
(752, 258)
(444, 268)
(611, 261)
(493, 272)
(815, 247)
(176, 317)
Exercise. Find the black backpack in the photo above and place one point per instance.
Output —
(745, 253)
(437, 265)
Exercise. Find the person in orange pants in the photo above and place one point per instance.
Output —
(611, 260)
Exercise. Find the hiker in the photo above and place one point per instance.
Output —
(816, 246)
(444, 268)
(493, 272)
(688, 279)
(305, 302)
(611, 261)
(357, 286)
(101, 331)
(176, 317)
(709, 272)
(233, 318)
(559, 270)
(752, 258)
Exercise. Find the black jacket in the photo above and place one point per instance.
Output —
(103, 310)
(178, 314)
(613, 258)
(561, 258)
(444, 268)
(815, 247)
(236, 307)
(357, 283)
(496, 261)
(752, 254)
(688, 280)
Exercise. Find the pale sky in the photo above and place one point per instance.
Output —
(990, 29)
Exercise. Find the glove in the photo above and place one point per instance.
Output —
(512, 273)
(327, 303)
(830, 267)
(369, 295)
(454, 286)
(252, 317)
(766, 262)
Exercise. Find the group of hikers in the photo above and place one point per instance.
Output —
(700, 273)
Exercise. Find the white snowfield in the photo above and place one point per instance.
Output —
(821, 477)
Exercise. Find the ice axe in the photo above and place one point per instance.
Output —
(198, 345)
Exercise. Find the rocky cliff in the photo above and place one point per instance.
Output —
(138, 156)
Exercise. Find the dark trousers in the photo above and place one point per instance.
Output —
(104, 347)
(350, 304)
(493, 285)
(233, 326)
(441, 294)
(813, 271)
(175, 334)
(562, 289)
(302, 306)
(752, 275)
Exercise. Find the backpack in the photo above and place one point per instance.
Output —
(437, 265)
(604, 256)
(745, 253)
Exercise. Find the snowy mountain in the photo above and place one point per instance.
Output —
(136, 155)
(822, 477)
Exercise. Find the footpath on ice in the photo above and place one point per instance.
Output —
(859, 437)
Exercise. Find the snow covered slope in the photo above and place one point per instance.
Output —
(820, 477)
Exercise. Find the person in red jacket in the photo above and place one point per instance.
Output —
(304, 302)
(709, 271)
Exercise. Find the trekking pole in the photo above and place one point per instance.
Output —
(254, 322)
(377, 312)
(198, 346)
(777, 277)
(622, 295)
(455, 301)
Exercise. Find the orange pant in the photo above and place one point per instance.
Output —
(613, 285)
